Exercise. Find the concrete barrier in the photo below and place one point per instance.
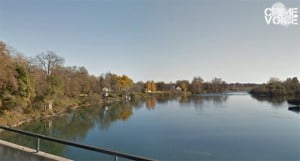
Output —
(10, 151)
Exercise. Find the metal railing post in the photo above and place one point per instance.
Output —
(116, 158)
(38, 145)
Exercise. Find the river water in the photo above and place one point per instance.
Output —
(229, 126)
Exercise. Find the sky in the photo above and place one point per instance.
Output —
(164, 40)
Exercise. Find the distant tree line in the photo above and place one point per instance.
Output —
(276, 87)
(197, 86)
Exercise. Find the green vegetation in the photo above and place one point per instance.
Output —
(41, 86)
(275, 87)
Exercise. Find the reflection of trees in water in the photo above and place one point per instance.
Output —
(218, 99)
(28, 141)
(200, 100)
(197, 100)
(183, 99)
(151, 103)
(74, 127)
(115, 112)
(163, 100)
(295, 109)
(137, 103)
(275, 101)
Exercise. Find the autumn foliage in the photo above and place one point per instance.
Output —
(150, 86)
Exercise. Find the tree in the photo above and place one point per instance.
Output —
(183, 84)
(106, 81)
(16, 82)
(218, 85)
(161, 86)
(196, 85)
(125, 83)
(138, 87)
(114, 83)
(274, 80)
(292, 86)
(26, 88)
(150, 86)
(275, 87)
(7, 69)
(53, 90)
(48, 61)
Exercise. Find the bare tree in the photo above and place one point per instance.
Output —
(48, 61)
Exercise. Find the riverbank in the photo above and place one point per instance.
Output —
(13, 118)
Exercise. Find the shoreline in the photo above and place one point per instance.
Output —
(25, 118)
(42, 115)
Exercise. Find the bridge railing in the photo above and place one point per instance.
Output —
(116, 154)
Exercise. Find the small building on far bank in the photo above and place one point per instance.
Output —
(178, 88)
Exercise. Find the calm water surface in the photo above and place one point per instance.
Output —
(232, 126)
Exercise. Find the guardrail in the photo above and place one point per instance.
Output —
(87, 147)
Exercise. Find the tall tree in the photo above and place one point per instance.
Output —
(150, 86)
(125, 83)
(48, 61)
(196, 85)
(183, 84)
(53, 90)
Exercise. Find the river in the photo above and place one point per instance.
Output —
(229, 126)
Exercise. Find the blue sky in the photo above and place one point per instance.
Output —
(157, 40)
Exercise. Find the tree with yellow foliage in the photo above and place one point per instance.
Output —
(125, 82)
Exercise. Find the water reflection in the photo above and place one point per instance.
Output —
(275, 101)
(295, 109)
(151, 103)
(199, 100)
(195, 101)
(76, 126)
(113, 113)
(202, 99)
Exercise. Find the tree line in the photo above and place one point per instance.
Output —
(43, 82)
(275, 87)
